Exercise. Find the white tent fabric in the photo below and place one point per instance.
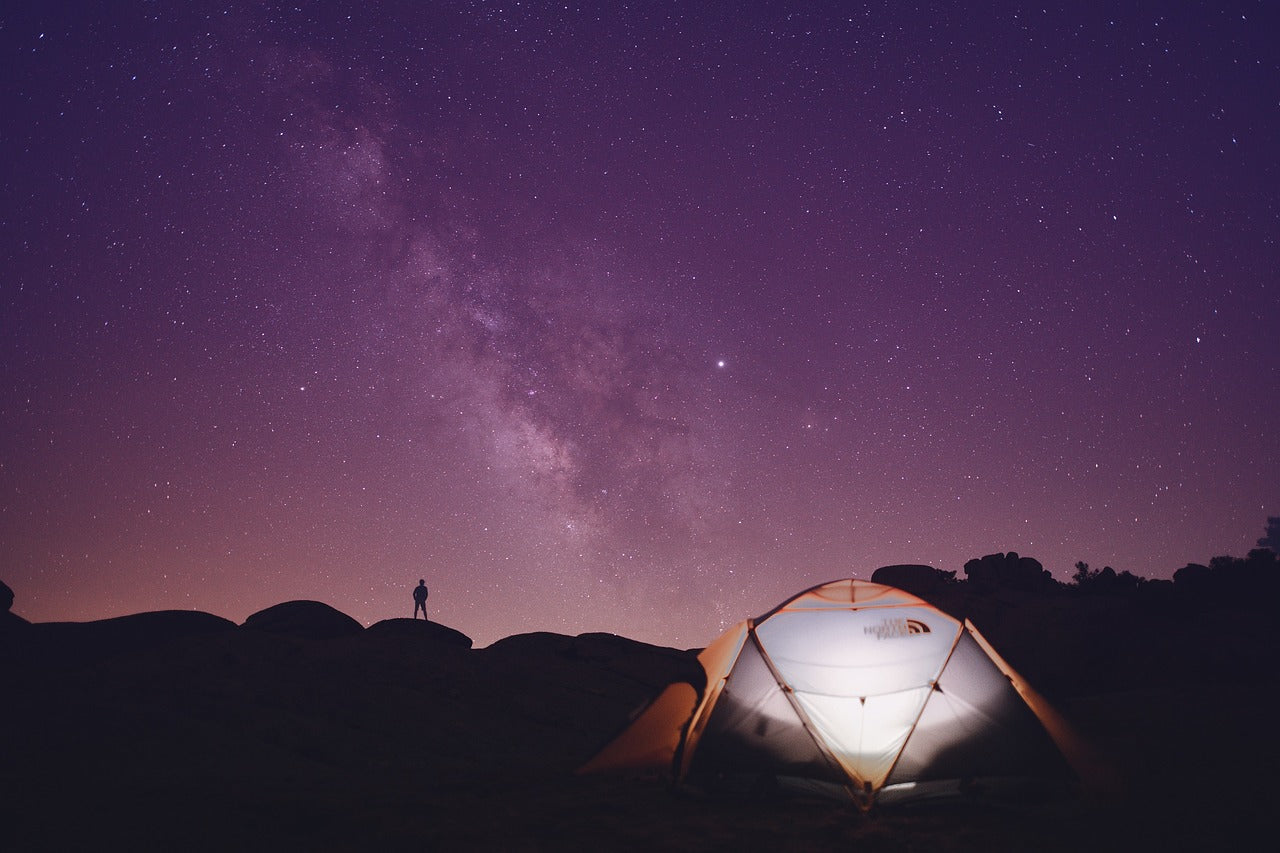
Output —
(850, 686)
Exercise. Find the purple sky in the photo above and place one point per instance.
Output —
(636, 319)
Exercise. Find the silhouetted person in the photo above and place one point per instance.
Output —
(420, 599)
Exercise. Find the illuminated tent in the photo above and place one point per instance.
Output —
(854, 689)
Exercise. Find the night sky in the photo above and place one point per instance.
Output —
(629, 318)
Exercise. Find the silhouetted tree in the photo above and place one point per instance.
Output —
(1249, 579)
(1122, 581)
(1105, 580)
(1271, 539)
(1260, 569)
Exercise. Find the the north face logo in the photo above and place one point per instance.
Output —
(899, 627)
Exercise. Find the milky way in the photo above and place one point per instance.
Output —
(633, 320)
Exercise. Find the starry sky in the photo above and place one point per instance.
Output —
(629, 317)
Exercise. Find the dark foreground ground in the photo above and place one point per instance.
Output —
(182, 731)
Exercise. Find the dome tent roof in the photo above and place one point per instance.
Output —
(850, 688)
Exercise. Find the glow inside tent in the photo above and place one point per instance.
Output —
(855, 689)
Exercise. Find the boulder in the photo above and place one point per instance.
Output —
(915, 579)
(1009, 571)
(432, 632)
(10, 623)
(642, 663)
(84, 643)
(309, 619)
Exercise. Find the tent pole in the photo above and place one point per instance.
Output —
(855, 786)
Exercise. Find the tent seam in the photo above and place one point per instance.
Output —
(805, 721)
